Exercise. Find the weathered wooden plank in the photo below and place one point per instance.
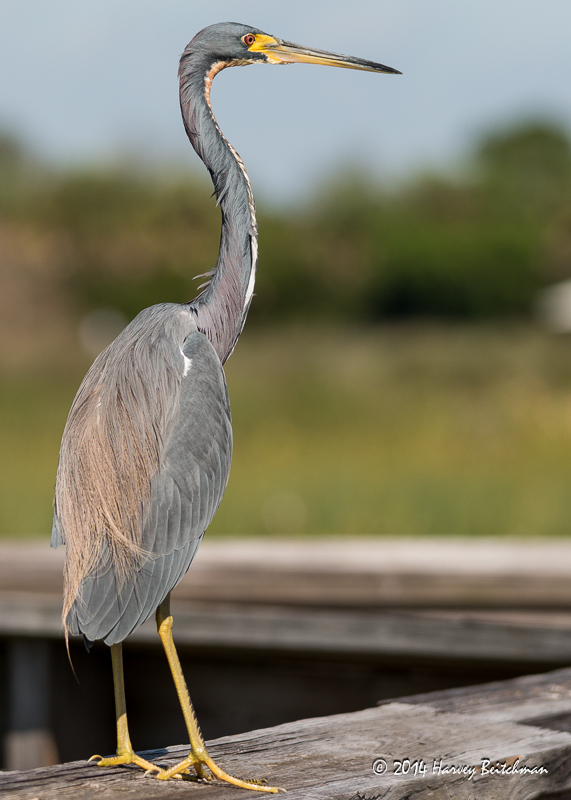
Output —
(499, 636)
(30, 614)
(530, 698)
(438, 634)
(331, 758)
(355, 572)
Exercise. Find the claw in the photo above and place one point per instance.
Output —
(181, 770)
(186, 776)
(94, 758)
(155, 771)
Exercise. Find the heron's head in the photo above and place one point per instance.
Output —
(231, 44)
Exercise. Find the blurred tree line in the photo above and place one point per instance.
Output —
(405, 429)
(475, 245)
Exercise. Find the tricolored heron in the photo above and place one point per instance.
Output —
(146, 450)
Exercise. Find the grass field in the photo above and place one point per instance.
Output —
(401, 430)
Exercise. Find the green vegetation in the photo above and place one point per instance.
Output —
(404, 429)
(421, 400)
(411, 430)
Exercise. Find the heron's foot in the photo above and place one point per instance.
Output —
(181, 770)
(129, 757)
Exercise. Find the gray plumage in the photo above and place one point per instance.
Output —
(222, 307)
(139, 384)
(146, 450)
(145, 454)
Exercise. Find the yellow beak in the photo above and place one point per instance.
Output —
(279, 52)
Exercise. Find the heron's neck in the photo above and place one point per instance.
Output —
(222, 307)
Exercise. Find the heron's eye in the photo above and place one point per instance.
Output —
(249, 39)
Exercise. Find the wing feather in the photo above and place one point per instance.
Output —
(185, 493)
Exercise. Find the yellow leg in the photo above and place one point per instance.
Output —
(125, 752)
(198, 756)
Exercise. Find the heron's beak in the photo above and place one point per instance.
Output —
(279, 52)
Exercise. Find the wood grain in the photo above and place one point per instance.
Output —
(378, 573)
(331, 758)
(493, 636)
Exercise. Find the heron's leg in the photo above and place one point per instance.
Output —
(125, 752)
(198, 756)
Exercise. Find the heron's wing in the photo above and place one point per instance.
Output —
(186, 492)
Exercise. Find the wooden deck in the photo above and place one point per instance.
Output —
(289, 629)
(513, 726)
(480, 599)
(472, 599)
(453, 573)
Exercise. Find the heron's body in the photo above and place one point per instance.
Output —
(148, 438)
(146, 451)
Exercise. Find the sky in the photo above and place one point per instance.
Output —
(90, 80)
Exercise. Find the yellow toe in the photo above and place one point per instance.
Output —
(124, 758)
(180, 770)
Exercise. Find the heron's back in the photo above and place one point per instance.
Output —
(143, 466)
